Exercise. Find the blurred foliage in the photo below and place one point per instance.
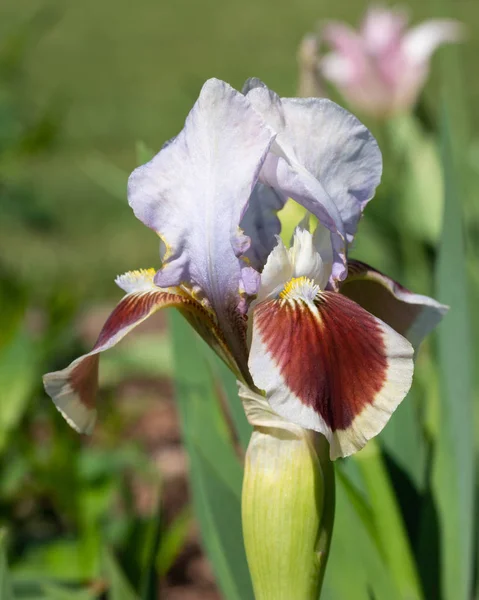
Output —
(24, 131)
(406, 523)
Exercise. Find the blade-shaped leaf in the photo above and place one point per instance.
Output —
(54, 592)
(5, 583)
(389, 524)
(356, 569)
(242, 428)
(454, 468)
(216, 473)
(119, 587)
(172, 541)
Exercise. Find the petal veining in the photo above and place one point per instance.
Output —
(74, 389)
(330, 366)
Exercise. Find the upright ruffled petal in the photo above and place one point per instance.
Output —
(73, 390)
(323, 158)
(194, 192)
(330, 366)
(412, 315)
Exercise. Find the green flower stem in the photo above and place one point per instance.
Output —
(288, 512)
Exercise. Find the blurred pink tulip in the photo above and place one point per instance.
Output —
(381, 68)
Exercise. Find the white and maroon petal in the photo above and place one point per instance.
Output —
(329, 366)
(412, 315)
(73, 390)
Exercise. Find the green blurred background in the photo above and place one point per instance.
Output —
(85, 89)
(123, 72)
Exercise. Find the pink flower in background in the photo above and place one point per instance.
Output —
(381, 68)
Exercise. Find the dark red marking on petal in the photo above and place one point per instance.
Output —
(84, 380)
(334, 361)
(133, 308)
(376, 293)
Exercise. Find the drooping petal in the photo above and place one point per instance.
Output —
(412, 315)
(194, 192)
(421, 41)
(329, 366)
(323, 158)
(73, 390)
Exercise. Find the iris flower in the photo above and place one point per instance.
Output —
(382, 68)
(327, 342)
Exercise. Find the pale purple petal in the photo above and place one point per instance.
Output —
(335, 147)
(194, 192)
(323, 158)
(261, 223)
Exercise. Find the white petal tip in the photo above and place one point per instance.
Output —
(80, 417)
(136, 281)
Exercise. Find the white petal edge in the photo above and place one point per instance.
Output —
(367, 424)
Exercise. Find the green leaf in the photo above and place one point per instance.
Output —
(356, 569)
(242, 428)
(119, 587)
(453, 479)
(216, 473)
(389, 525)
(56, 592)
(13, 300)
(421, 202)
(5, 582)
(18, 377)
(406, 424)
(63, 560)
(149, 551)
(172, 541)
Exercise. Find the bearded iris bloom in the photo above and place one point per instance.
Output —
(326, 341)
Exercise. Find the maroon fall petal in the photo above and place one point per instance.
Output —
(329, 366)
(411, 315)
(74, 389)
